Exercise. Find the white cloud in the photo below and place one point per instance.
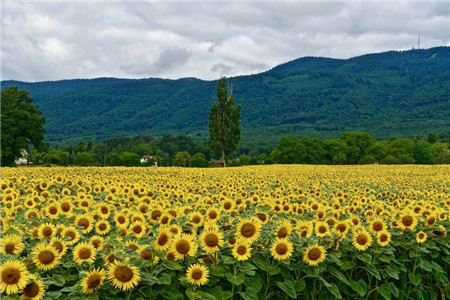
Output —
(78, 39)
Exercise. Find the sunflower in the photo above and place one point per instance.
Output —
(46, 231)
(383, 238)
(184, 245)
(283, 230)
(132, 245)
(97, 241)
(14, 276)
(281, 249)
(362, 240)
(197, 274)
(147, 254)
(103, 211)
(84, 252)
(59, 245)
(163, 239)
(249, 230)
(212, 214)
(421, 237)
(138, 228)
(322, 229)
(52, 211)
(86, 222)
(314, 255)
(241, 251)
(123, 276)
(341, 228)
(33, 290)
(196, 219)
(431, 220)
(121, 220)
(377, 225)
(11, 244)
(408, 220)
(211, 240)
(93, 281)
(45, 256)
(71, 235)
(102, 227)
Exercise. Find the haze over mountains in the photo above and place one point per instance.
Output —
(387, 94)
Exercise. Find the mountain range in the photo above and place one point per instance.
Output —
(389, 94)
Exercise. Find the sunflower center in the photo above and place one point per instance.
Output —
(10, 276)
(94, 281)
(281, 249)
(162, 240)
(183, 247)
(212, 214)
(211, 240)
(362, 239)
(248, 230)
(70, 234)
(421, 235)
(123, 273)
(407, 220)
(322, 229)
(53, 210)
(121, 220)
(102, 226)
(156, 214)
(170, 257)
(84, 253)
(137, 229)
(377, 226)
(47, 231)
(196, 219)
(65, 207)
(31, 290)
(146, 254)
(282, 232)
(104, 210)
(261, 216)
(46, 257)
(58, 246)
(431, 221)
(341, 227)
(83, 223)
(241, 250)
(314, 254)
(383, 238)
(9, 248)
(96, 243)
(227, 205)
(197, 274)
(304, 233)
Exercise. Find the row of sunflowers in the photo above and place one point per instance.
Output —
(262, 232)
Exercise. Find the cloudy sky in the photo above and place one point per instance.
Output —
(52, 40)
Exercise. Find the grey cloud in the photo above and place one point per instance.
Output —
(223, 69)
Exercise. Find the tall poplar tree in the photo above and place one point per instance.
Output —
(224, 122)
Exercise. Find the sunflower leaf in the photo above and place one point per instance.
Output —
(287, 287)
(385, 291)
(236, 279)
(373, 271)
(415, 279)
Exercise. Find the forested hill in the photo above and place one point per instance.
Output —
(387, 94)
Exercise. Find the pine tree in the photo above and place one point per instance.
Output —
(224, 122)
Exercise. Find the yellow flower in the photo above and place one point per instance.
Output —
(45, 256)
(241, 251)
(249, 230)
(163, 239)
(421, 237)
(70, 235)
(184, 245)
(86, 222)
(93, 280)
(34, 290)
(197, 274)
(284, 229)
(383, 238)
(377, 225)
(314, 255)
(408, 220)
(281, 249)
(84, 252)
(147, 254)
(322, 229)
(362, 240)
(123, 276)
(102, 227)
(211, 240)
(14, 276)
(11, 244)
(59, 245)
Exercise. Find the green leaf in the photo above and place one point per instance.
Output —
(172, 265)
(165, 279)
(365, 257)
(228, 260)
(236, 279)
(360, 287)
(334, 290)
(249, 295)
(348, 265)
(287, 287)
(299, 286)
(415, 279)
(254, 284)
(392, 271)
(373, 271)
(58, 280)
(193, 295)
(339, 275)
(149, 279)
(385, 291)
(394, 290)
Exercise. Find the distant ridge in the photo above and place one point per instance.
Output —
(387, 94)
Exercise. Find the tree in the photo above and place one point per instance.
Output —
(21, 124)
(182, 159)
(129, 159)
(224, 122)
(199, 161)
(432, 138)
(358, 143)
(290, 150)
(83, 159)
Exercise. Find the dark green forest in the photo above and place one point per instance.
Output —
(389, 95)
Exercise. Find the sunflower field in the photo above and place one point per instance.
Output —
(260, 232)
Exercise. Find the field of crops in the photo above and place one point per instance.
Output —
(263, 232)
